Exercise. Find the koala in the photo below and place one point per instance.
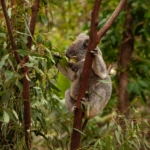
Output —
(98, 92)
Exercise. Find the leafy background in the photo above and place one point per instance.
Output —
(58, 24)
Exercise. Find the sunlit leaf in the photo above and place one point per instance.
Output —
(15, 114)
(19, 85)
(2, 62)
(9, 12)
(6, 117)
(105, 81)
(3, 35)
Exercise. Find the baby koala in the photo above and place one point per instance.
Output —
(98, 92)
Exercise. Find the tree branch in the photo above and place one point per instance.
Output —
(10, 32)
(125, 52)
(93, 41)
(112, 19)
(26, 84)
(35, 8)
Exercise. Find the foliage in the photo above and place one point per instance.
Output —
(57, 25)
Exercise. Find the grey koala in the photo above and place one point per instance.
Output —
(98, 92)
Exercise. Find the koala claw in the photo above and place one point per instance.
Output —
(74, 108)
(84, 101)
(94, 52)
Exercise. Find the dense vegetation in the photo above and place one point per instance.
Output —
(58, 24)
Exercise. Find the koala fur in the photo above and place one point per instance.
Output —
(98, 92)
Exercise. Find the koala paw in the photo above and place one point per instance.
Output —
(94, 52)
(84, 101)
(74, 108)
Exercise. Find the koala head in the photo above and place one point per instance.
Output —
(77, 50)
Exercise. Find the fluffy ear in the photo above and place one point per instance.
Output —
(82, 36)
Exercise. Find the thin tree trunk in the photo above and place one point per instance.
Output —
(94, 39)
(26, 84)
(126, 50)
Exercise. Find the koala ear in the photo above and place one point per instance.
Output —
(82, 36)
(85, 43)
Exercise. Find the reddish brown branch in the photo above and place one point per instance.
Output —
(111, 20)
(26, 85)
(93, 41)
(35, 9)
(126, 49)
(10, 32)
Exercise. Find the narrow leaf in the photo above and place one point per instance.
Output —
(6, 117)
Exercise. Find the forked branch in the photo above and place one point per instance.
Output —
(95, 37)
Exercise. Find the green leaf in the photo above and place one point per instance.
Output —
(105, 81)
(45, 20)
(80, 131)
(39, 39)
(24, 39)
(6, 117)
(143, 83)
(27, 77)
(38, 70)
(23, 52)
(98, 142)
(48, 44)
(88, 109)
(146, 122)
(15, 114)
(50, 54)
(117, 136)
(2, 62)
(134, 144)
(143, 99)
(130, 86)
(29, 64)
(53, 86)
(3, 35)
(19, 85)
(9, 75)
(9, 12)
(137, 89)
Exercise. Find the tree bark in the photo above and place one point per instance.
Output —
(126, 50)
(26, 84)
(10, 32)
(93, 41)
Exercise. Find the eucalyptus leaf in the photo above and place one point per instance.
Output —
(6, 117)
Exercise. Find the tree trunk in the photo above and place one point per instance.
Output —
(125, 53)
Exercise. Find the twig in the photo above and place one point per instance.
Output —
(112, 19)
(10, 32)
(35, 8)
